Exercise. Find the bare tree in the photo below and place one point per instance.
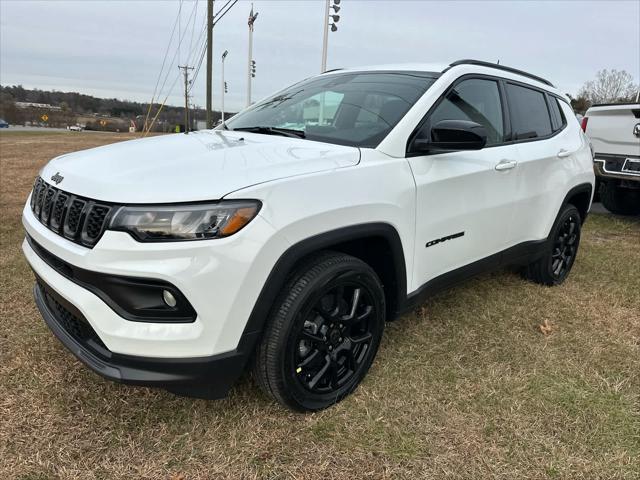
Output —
(610, 86)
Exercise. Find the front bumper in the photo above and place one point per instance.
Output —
(221, 279)
(201, 377)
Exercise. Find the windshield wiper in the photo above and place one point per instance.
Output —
(285, 132)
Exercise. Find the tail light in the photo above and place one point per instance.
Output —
(583, 125)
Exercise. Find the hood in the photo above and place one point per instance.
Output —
(203, 165)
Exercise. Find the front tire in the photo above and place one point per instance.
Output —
(323, 333)
(560, 252)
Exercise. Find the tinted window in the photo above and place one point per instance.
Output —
(475, 100)
(357, 109)
(557, 116)
(529, 113)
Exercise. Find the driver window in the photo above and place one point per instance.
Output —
(475, 100)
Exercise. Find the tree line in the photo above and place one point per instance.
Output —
(609, 86)
(109, 113)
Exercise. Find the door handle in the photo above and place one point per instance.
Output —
(564, 153)
(506, 165)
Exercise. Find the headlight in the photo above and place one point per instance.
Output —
(184, 222)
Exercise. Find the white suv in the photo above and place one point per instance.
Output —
(284, 239)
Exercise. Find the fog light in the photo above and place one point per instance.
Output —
(168, 298)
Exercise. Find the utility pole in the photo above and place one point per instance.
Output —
(250, 63)
(224, 84)
(185, 70)
(209, 61)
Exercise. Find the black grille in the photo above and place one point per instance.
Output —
(72, 322)
(95, 221)
(79, 219)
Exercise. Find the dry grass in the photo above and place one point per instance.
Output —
(468, 387)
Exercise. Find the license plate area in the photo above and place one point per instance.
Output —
(631, 165)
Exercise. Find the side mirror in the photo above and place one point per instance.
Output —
(452, 135)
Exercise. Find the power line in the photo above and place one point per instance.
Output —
(162, 105)
(204, 46)
(164, 60)
(175, 54)
(181, 37)
(193, 29)
(219, 15)
(195, 49)
(193, 53)
(195, 74)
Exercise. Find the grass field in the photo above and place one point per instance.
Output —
(466, 387)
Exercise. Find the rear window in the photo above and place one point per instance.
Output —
(558, 119)
(529, 113)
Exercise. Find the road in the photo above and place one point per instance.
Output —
(21, 128)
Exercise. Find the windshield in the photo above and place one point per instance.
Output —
(356, 109)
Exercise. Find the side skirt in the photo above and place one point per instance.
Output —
(518, 255)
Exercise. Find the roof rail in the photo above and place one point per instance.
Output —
(499, 67)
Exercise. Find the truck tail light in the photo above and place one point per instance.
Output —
(583, 125)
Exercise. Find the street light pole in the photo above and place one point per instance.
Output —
(325, 38)
(325, 41)
(252, 19)
(334, 27)
(224, 84)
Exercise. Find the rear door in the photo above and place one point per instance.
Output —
(464, 199)
(547, 159)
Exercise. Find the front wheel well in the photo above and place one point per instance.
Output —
(378, 254)
(376, 244)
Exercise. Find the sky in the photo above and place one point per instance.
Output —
(115, 48)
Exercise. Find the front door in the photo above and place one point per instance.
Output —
(464, 198)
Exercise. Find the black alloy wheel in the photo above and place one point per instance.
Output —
(561, 248)
(565, 246)
(332, 343)
(323, 333)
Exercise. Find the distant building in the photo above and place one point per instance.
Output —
(37, 105)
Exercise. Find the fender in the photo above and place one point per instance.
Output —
(288, 260)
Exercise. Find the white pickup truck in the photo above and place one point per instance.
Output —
(615, 138)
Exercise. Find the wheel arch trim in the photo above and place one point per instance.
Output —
(287, 261)
(578, 189)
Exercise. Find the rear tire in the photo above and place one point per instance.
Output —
(322, 334)
(560, 251)
(620, 201)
